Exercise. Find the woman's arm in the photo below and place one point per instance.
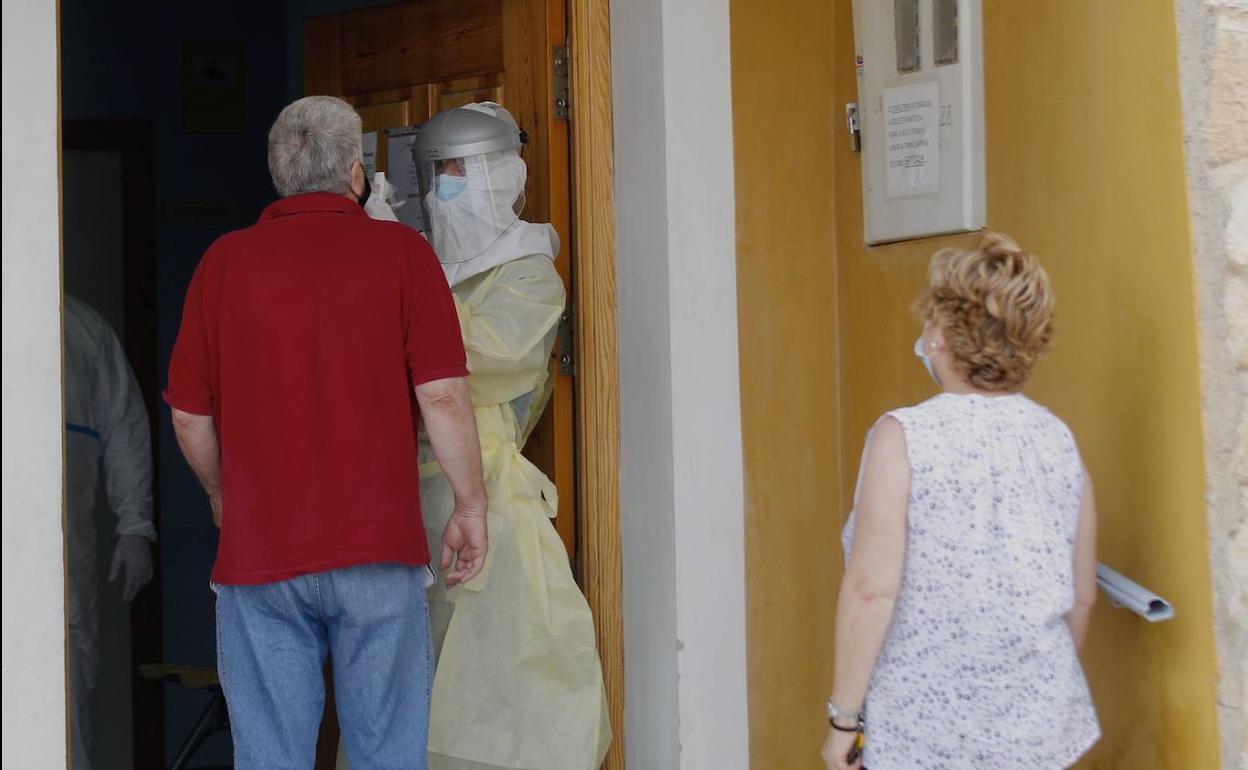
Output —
(1085, 565)
(872, 579)
(873, 576)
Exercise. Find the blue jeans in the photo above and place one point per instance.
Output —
(272, 641)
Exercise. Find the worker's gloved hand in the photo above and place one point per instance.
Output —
(381, 201)
(134, 555)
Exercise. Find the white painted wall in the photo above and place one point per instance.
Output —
(647, 521)
(681, 463)
(33, 543)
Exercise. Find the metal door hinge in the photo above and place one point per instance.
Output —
(565, 344)
(559, 85)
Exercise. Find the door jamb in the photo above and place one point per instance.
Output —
(597, 381)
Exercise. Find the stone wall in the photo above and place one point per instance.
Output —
(1213, 58)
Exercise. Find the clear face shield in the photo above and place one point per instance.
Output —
(471, 179)
(470, 202)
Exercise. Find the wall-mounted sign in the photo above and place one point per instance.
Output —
(215, 93)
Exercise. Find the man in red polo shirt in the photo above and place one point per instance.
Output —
(311, 345)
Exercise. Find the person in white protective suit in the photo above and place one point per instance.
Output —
(518, 682)
(107, 431)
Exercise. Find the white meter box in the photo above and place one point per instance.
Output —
(921, 114)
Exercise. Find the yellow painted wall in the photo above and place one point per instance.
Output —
(1085, 168)
(786, 276)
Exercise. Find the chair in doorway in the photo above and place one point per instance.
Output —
(215, 717)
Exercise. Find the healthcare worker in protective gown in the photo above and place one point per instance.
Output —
(518, 683)
(108, 434)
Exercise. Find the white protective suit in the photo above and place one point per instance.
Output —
(107, 429)
(518, 682)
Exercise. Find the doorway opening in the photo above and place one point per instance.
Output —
(166, 110)
(108, 249)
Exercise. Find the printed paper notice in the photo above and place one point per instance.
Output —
(403, 177)
(369, 141)
(912, 139)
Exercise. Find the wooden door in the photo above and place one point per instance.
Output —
(401, 64)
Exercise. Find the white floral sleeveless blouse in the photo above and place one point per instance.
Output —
(978, 669)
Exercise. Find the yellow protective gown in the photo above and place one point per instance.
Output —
(518, 682)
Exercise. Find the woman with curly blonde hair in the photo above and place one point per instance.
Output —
(971, 551)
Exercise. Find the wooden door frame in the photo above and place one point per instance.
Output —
(133, 140)
(597, 355)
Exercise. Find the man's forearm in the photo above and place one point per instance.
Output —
(197, 435)
(452, 430)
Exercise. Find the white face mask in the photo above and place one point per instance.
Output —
(927, 361)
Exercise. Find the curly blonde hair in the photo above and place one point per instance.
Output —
(994, 305)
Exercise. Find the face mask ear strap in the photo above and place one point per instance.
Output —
(368, 187)
(920, 350)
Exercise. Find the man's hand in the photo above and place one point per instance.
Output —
(836, 750)
(133, 554)
(464, 545)
(446, 409)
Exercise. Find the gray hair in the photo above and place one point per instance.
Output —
(313, 144)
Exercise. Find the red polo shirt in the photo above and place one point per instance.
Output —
(303, 336)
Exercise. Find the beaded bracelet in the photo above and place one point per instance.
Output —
(855, 729)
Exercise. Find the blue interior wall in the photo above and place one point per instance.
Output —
(125, 60)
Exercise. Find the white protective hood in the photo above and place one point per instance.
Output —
(522, 239)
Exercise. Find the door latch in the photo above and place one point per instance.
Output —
(855, 129)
